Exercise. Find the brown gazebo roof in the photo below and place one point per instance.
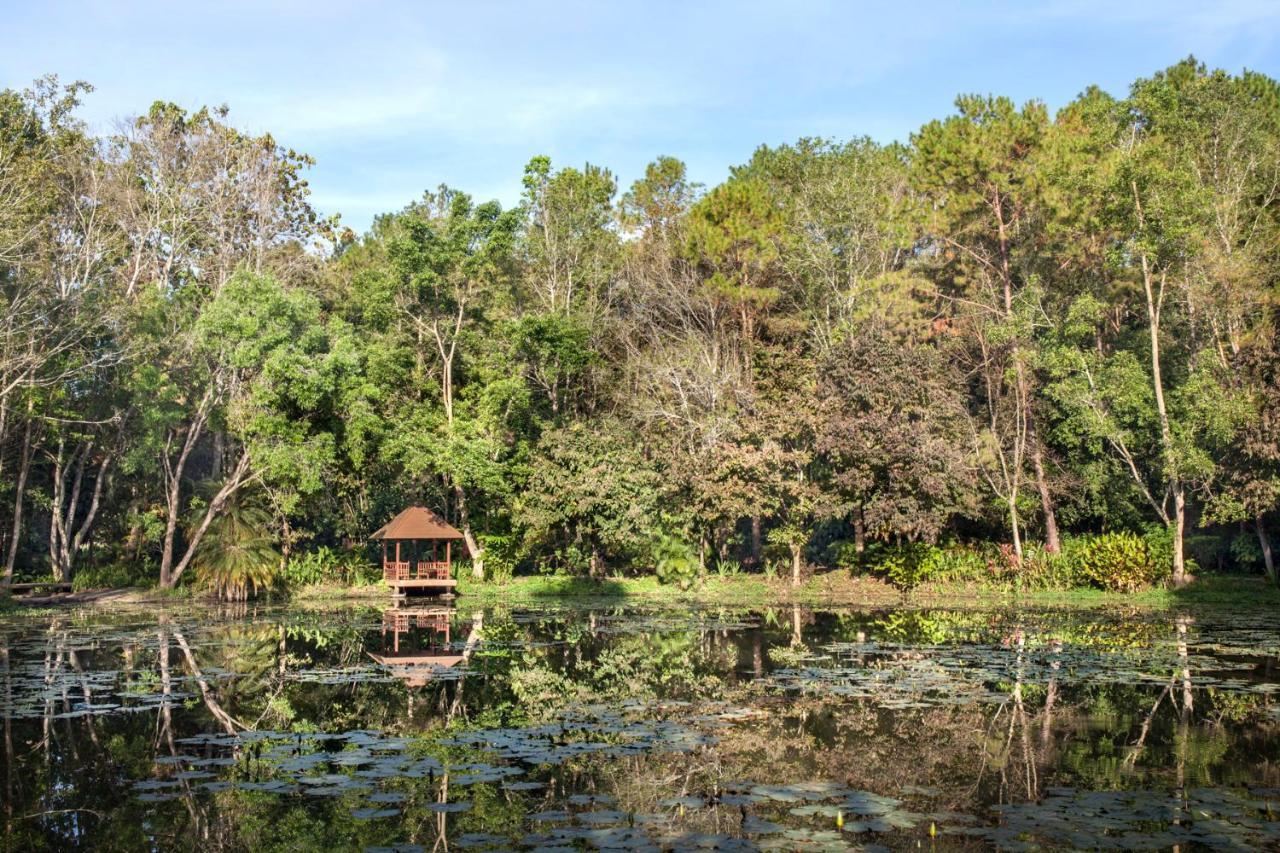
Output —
(417, 522)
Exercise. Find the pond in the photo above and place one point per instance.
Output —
(432, 727)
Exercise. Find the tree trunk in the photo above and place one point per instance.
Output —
(797, 563)
(1052, 543)
(23, 469)
(859, 533)
(1154, 305)
(239, 476)
(1013, 526)
(1180, 576)
(755, 539)
(473, 547)
(173, 489)
(1264, 541)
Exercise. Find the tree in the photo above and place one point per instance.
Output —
(1249, 489)
(570, 246)
(589, 497)
(845, 209)
(978, 172)
(193, 200)
(892, 434)
(450, 260)
(734, 233)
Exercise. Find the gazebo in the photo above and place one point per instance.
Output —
(408, 562)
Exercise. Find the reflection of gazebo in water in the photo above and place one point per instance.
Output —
(417, 662)
(412, 565)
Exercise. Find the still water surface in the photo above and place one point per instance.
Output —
(468, 728)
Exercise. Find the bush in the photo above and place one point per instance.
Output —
(500, 557)
(113, 576)
(908, 565)
(1246, 551)
(912, 563)
(1041, 569)
(957, 564)
(237, 556)
(843, 554)
(674, 561)
(324, 565)
(1115, 561)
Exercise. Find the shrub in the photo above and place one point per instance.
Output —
(912, 563)
(1115, 561)
(112, 576)
(324, 565)
(1159, 541)
(908, 565)
(500, 558)
(674, 561)
(1246, 551)
(843, 554)
(958, 564)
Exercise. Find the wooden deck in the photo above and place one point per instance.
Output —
(441, 584)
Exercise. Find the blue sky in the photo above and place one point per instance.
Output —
(395, 97)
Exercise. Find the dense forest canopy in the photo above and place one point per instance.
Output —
(1017, 328)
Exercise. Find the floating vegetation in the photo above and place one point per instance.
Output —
(899, 676)
(622, 729)
(1135, 820)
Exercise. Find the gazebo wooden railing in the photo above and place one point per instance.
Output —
(423, 570)
(433, 569)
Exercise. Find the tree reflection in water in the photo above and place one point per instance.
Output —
(286, 728)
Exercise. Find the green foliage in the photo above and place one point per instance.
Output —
(112, 576)
(590, 497)
(1246, 550)
(500, 557)
(728, 567)
(237, 557)
(1041, 569)
(906, 565)
(674, 560)
(958, 563)
(1115, 561)
(735, 230)
(324, 565)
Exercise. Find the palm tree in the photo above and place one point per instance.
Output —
(237, 556)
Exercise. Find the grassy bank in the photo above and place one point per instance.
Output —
(824, 589)
(838, 588)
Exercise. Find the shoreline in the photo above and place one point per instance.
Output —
(829, 589)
